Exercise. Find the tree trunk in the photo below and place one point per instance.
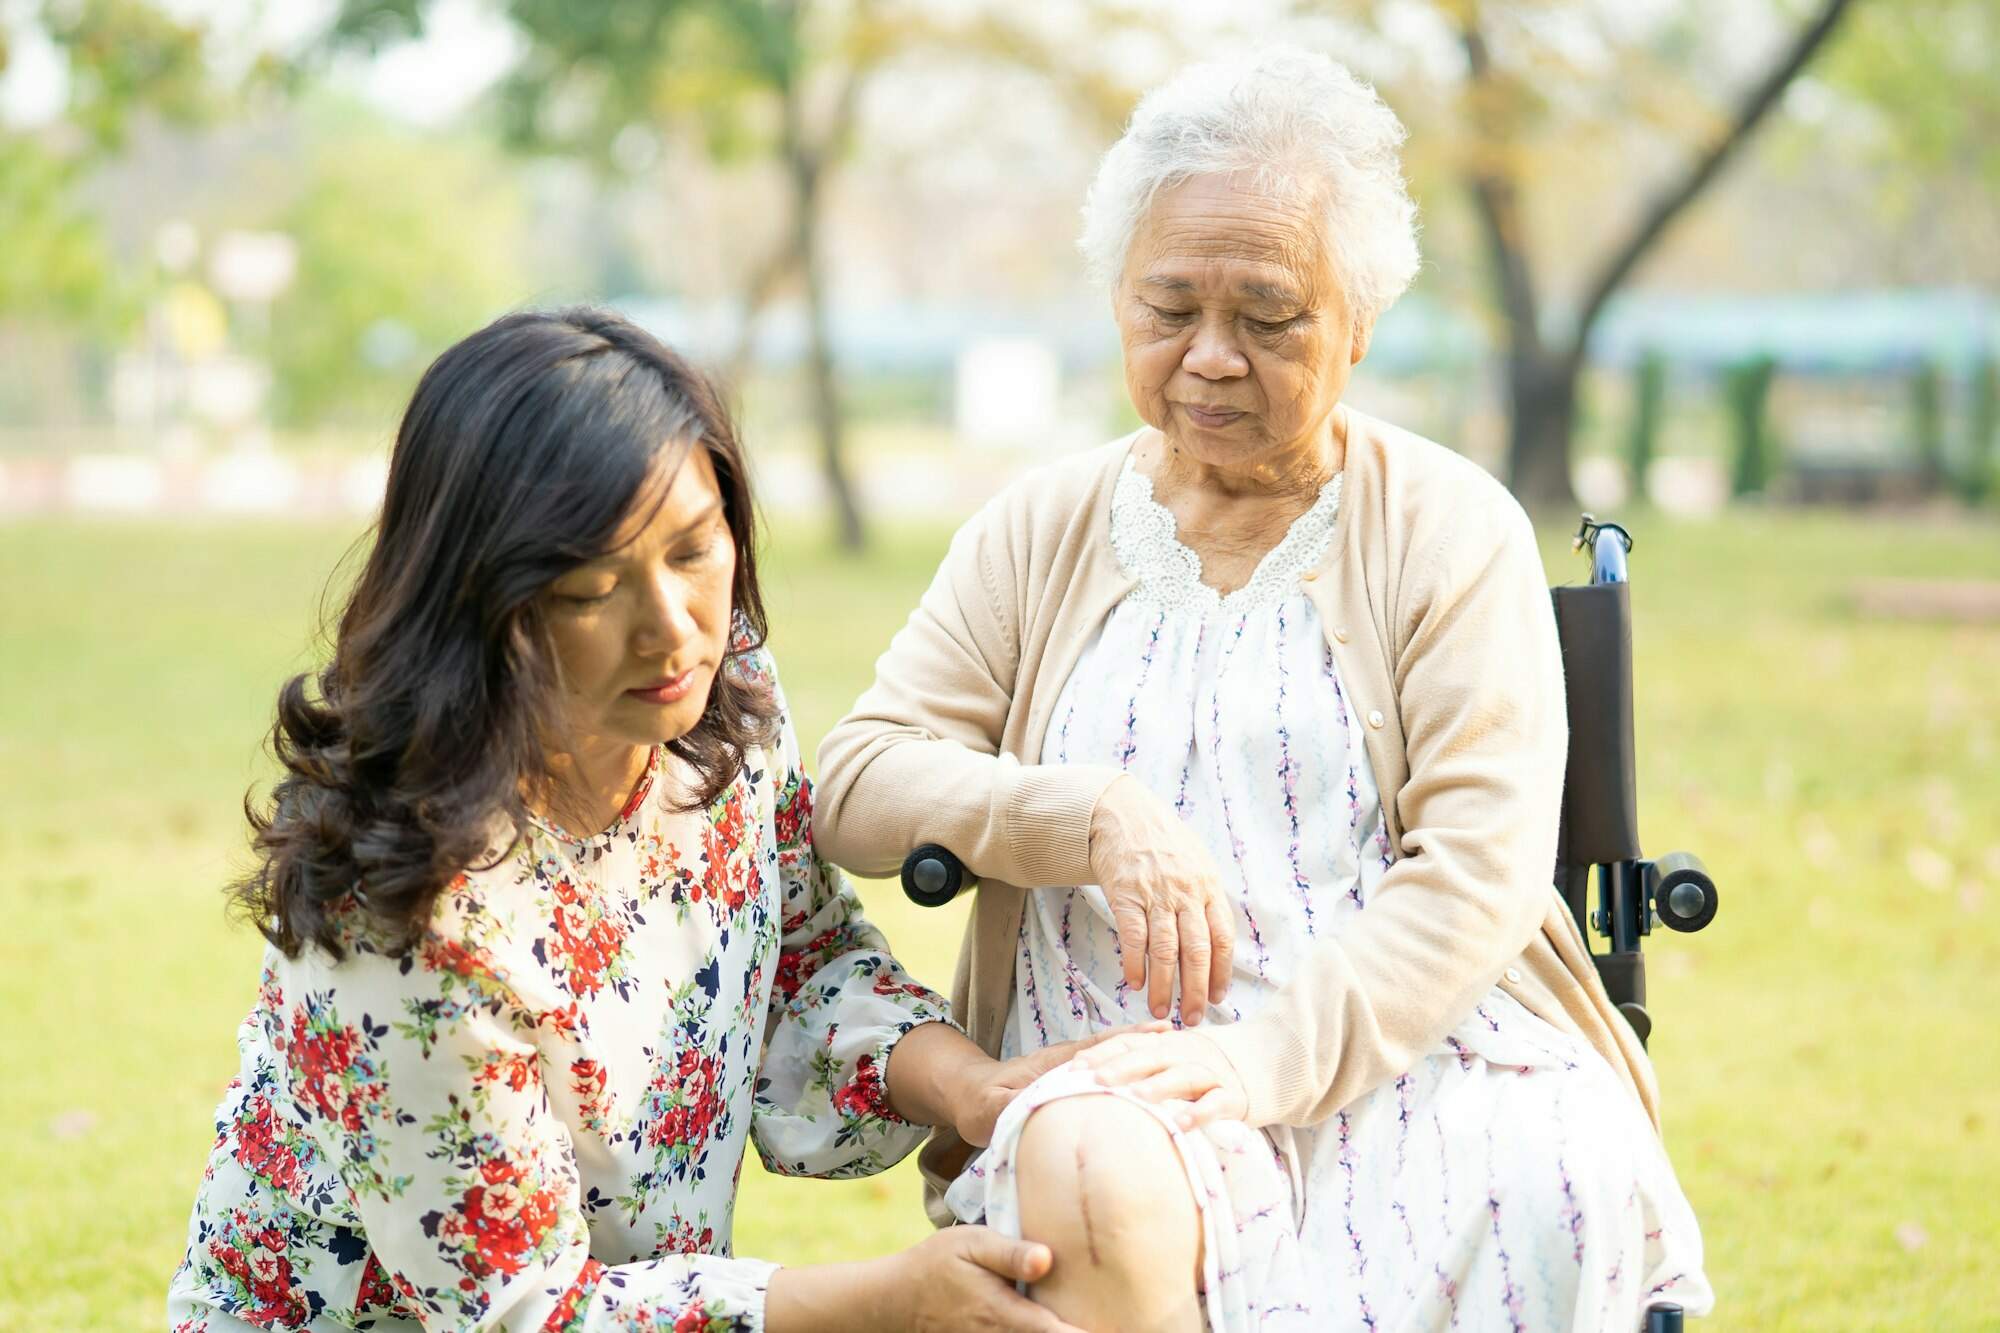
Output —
(1543, 385)
(1542, 393)
(805, 163)
(827, 416)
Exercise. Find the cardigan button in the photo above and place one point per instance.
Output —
(1310, 575)
(1513, 974)
(1340, 633)
(1375, 718)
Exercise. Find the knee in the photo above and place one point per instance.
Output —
(1102, 1185)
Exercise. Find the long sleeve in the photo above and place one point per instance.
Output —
(918, 759)
(1479, 692)
(839, 1003)
(420, 1081)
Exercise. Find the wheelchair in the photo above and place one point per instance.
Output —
(1600, 822)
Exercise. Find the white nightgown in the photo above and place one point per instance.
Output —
(1509, 1180)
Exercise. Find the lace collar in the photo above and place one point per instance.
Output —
(1150, 551)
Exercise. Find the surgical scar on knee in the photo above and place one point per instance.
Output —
(1083, 1206)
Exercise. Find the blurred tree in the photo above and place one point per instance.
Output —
(387, 277)
(777, 77)
(1534, 77)
(1982, 430)
(52, 260)
(1928, 67)
(1649, 392)
(125, 59)
(1746, 391)
(1927, 424)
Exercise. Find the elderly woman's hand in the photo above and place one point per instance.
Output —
(1182, 1071)
(986, 1090)
(1166, 899)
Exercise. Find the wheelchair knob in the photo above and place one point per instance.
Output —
(1682, 891)
(932, 876)
(1664, 1319)
(1641, 1021)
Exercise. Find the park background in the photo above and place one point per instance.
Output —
(1728, 269)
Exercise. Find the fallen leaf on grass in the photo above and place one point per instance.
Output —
(1780, 785)
(1816, 840)
(1912, 1237)
(1928, 867)
(73, 1124)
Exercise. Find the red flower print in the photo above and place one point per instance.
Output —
(694, 1319)
(587, 941)
(455, 957)
(270, 995)
(318, 1062)
(886, 984)
(589, 1080)
(796, 966)
(729, 874)
(680, 1237)
(332, 1074)
(570, 1307)
(252, 1253)
(863, 1095)
(564, 1022)
(793, 816)
(259, 1149)
(510, 1069)
(376, 1291)
(500, 1221)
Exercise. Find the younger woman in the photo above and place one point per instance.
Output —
(549, 939)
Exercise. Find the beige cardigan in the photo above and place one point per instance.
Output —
(1438, 618)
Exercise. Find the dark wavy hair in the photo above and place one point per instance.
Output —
(523, 451)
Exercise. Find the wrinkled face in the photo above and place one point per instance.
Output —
(641, 632)
(1238, 339)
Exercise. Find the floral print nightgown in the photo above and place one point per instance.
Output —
(536, 1119)
(1507, 1181)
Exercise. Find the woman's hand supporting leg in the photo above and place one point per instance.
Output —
(960, 1278)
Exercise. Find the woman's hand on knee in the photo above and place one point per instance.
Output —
(963, 1278)
(1182, 1071)
(1166, 899)
(989, 1088)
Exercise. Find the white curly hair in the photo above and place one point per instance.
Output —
(1296, 122)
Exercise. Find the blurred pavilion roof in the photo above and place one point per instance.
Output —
(1823, 333)
(1826, 333)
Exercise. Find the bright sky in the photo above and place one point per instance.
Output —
(465, 50)
(468, 46)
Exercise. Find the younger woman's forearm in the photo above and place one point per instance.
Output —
(832, 1298)
(931, 1071)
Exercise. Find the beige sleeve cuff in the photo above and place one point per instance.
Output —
(1047, 818)
(1270, 1061)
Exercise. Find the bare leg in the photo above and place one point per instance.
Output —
(1101, 1184)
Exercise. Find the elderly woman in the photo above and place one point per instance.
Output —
(1257, 714)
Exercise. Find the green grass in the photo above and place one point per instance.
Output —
(1825, 1049)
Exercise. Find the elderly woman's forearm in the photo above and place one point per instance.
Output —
(889, 786)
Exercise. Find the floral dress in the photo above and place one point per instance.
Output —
(1508, 1180)
(536, 1118)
